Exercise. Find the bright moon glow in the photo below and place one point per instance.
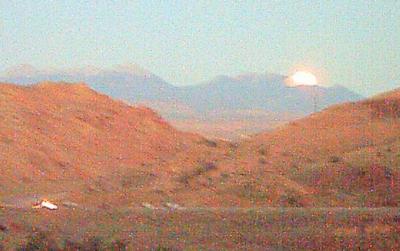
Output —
(304, 78)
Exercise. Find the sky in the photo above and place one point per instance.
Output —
(354, 43)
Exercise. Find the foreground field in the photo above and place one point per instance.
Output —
(202, 228)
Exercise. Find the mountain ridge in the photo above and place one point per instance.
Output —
(207, 101)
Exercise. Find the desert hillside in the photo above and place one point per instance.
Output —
(59, 140)
(69, 143)
(347, 154)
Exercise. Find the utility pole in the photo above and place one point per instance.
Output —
(314, 97)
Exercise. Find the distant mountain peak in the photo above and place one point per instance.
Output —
(27, 70)
(246, 77)
(131, 68)
(258, 76)
(22, 69)
(87, 70)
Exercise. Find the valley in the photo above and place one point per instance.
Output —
(112, 167)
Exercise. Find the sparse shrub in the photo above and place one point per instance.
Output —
(204, 167)
(39, 241)
(291, 200)
(70, 245)
(210, 143)
(396, 219)
(233, 145)
(224, 175)
(94, 243)
(199, 170)
(136, 180)
(334, 159)
(250, 191)
(6, 140)
(208, 166)
(119, 245)
(388, 173)
(161, 248)
(294, 166)
(184, 178)
(262, 150)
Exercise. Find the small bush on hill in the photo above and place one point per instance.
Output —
(291, 200)
(262, 150)
(199, 170)
(184, 178)
(210, 143)
(334, 159)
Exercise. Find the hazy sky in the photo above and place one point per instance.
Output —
(348, 42)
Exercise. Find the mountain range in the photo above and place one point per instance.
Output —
(224, 107)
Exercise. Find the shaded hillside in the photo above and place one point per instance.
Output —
(345, 155)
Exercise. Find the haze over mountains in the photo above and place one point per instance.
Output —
(225, 106)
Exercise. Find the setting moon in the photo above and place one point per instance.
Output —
(303, 78)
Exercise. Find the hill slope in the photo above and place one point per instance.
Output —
(345, 155)
(66, 138)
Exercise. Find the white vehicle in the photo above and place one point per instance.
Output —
(46, 204)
